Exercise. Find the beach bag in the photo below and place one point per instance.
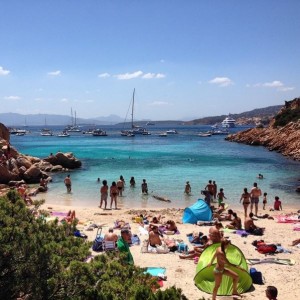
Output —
(182, 248)
(256, 276)
(267, 249)
(98, 242)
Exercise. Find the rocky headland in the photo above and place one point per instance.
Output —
(16, 167)
(282, 135)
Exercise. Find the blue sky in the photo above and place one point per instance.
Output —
(186, 59)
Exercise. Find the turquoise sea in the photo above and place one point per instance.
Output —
(166, 163)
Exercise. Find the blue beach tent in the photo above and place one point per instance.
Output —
(199, 211)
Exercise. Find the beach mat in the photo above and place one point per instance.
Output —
(190, 238)
(155, 271)
(280, 261)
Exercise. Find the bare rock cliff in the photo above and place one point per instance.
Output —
(284, 139)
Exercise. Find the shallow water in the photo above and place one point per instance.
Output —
(166, 164)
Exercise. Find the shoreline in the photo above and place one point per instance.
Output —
(181, 272)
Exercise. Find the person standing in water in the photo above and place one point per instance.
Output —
(68, 183)
(103, 194)
(113, 194)
(187, 189)
(144, 187)
(220, 269)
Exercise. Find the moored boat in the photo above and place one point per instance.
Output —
(99, 132)
(228, 122)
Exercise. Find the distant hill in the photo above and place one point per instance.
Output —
(14, 119)
(261, 113)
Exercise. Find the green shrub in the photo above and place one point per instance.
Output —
(40, 261)
(289, 115)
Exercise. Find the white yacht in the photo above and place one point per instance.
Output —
(228, 122)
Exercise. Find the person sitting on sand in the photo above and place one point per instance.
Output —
(171, 226)
(277, 204)
(271, 292)
(249, 224)
(236, 222)
(197, 249)
(221, 217)
(215, 235)
(70, 216)
(196, 238)
(120, 224)
(265, 201)
(110, 236)
(220, 269)
(155, 219)
(154, 237)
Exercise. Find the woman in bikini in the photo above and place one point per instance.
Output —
(246, 200)
(113, 194)
(220, 269)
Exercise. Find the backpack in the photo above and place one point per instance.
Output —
(256, 276)
(98, 242)
(266, 249)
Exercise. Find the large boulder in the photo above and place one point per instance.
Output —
(33, 175)
(6, 175)
(23, 161)
(66, 160)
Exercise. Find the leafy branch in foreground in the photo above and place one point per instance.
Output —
(40, 260)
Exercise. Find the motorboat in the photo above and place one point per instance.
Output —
(17, 131)
(220, 132)
(172, 131)
(204, 134)
(228, 122)
(99, 132)
(89, 131)
(146, 133)
(150, 124)
(163, 134)
(46, 132)
(63, 134)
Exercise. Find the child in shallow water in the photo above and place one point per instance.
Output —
(265, 200)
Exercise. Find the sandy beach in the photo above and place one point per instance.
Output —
(181, 272)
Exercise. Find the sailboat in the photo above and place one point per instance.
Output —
(73, 127)
(46, 131)
(134, 128)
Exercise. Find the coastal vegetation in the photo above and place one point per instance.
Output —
(291, 113)
(44, 260)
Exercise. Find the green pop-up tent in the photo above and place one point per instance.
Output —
(204, 278)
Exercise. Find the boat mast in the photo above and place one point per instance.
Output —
(132, 108)
(75, 118)
(72, 117)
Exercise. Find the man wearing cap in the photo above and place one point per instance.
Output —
(123, 244)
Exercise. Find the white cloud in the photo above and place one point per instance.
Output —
(153, 75)
(55, 73)
(12, 98)
(221, 81)
(104, 75)
(286, 88)
(158, 103)
(3, 72)
(64, 100)
(275, 83)
(127, 76)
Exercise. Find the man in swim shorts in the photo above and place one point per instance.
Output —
(255, 193)
(68, 183)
